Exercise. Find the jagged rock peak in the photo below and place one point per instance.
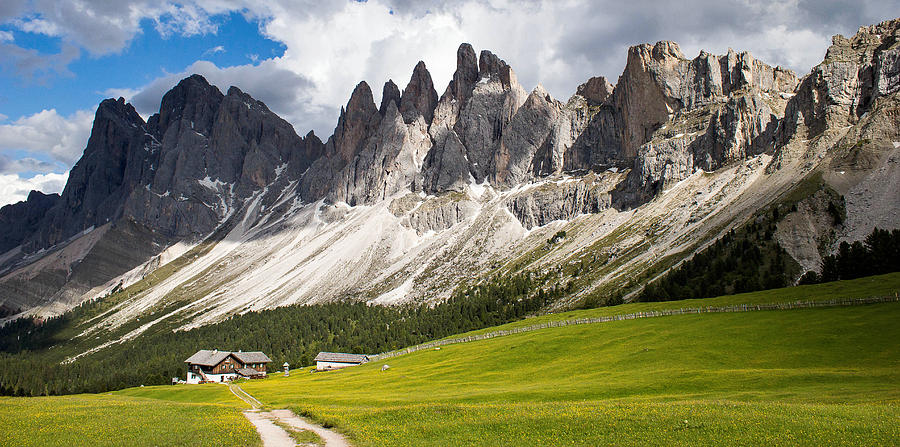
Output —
(596, 90)
(466, 75)
(540, 92)
(361, 100)
(118, 110)
(492, 67)
(193, 99)
(419, 96)
(390, 93)
(354, 123)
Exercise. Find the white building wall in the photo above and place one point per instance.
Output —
(321, 366)
(195, 378)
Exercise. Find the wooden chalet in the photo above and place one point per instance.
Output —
(220, 366)
(327, 361)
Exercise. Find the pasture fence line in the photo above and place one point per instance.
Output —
(643, 314)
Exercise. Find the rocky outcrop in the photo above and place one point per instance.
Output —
(419, 97)
(474, 111)
(564, 200)
(679, 116)
(434, 214)
(19, 220)
(113, 164)
(388, 164)
(526, 147)
(355, 125)
(595, 91)
(842, 88)
(390, 93)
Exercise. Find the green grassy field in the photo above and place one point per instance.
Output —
(824, 376)
(152, 416)
(807, 377)
(880, 285)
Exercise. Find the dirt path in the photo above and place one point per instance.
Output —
(273, 435)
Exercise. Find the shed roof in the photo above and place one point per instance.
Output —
(341, 357)
(248, 372)
(206, 357)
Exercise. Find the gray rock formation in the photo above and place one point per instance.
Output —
(206, 155)
(176, 177)
(19, 220)
(112, 166)
(546, 203)
(596, 90)
(419, 97)
(843, 87)
(389, 94)
(680, 115)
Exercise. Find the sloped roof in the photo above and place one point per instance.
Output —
(341, 357)
(252, 357)
(248, 372)
(206, 357)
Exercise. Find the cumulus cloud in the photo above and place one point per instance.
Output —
(14, 188)
(27, 164)
(104, 27)
(32, 66)
(61, 137)
(330, 46)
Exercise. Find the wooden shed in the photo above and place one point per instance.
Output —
(327, 361)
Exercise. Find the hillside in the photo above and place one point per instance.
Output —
(215, 206)
(798, 377)
(805, 377)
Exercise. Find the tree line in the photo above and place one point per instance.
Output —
(879, 253)
(744, 260)
(295, 334)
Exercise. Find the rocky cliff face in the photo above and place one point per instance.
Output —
(486, 154)
(176, 177)
(19, 220)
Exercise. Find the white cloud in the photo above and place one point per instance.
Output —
(14, 188)
(23, 165)
(107, 26)
(6, 36)
(48, 132)
(330, 46)
(214, 50)
(560, 44)
(33, 66)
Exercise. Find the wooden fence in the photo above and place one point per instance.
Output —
(636, 315)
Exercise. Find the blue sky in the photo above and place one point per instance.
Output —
(58, 60)
(148, 56)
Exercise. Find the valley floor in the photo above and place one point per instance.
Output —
(821, 376)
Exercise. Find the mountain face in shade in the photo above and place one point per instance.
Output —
(410, 196)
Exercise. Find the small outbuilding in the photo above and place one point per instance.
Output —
(327, 361)
(220, 366)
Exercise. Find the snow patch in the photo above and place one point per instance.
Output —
(211, 184)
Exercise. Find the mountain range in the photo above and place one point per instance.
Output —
(216, 206)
